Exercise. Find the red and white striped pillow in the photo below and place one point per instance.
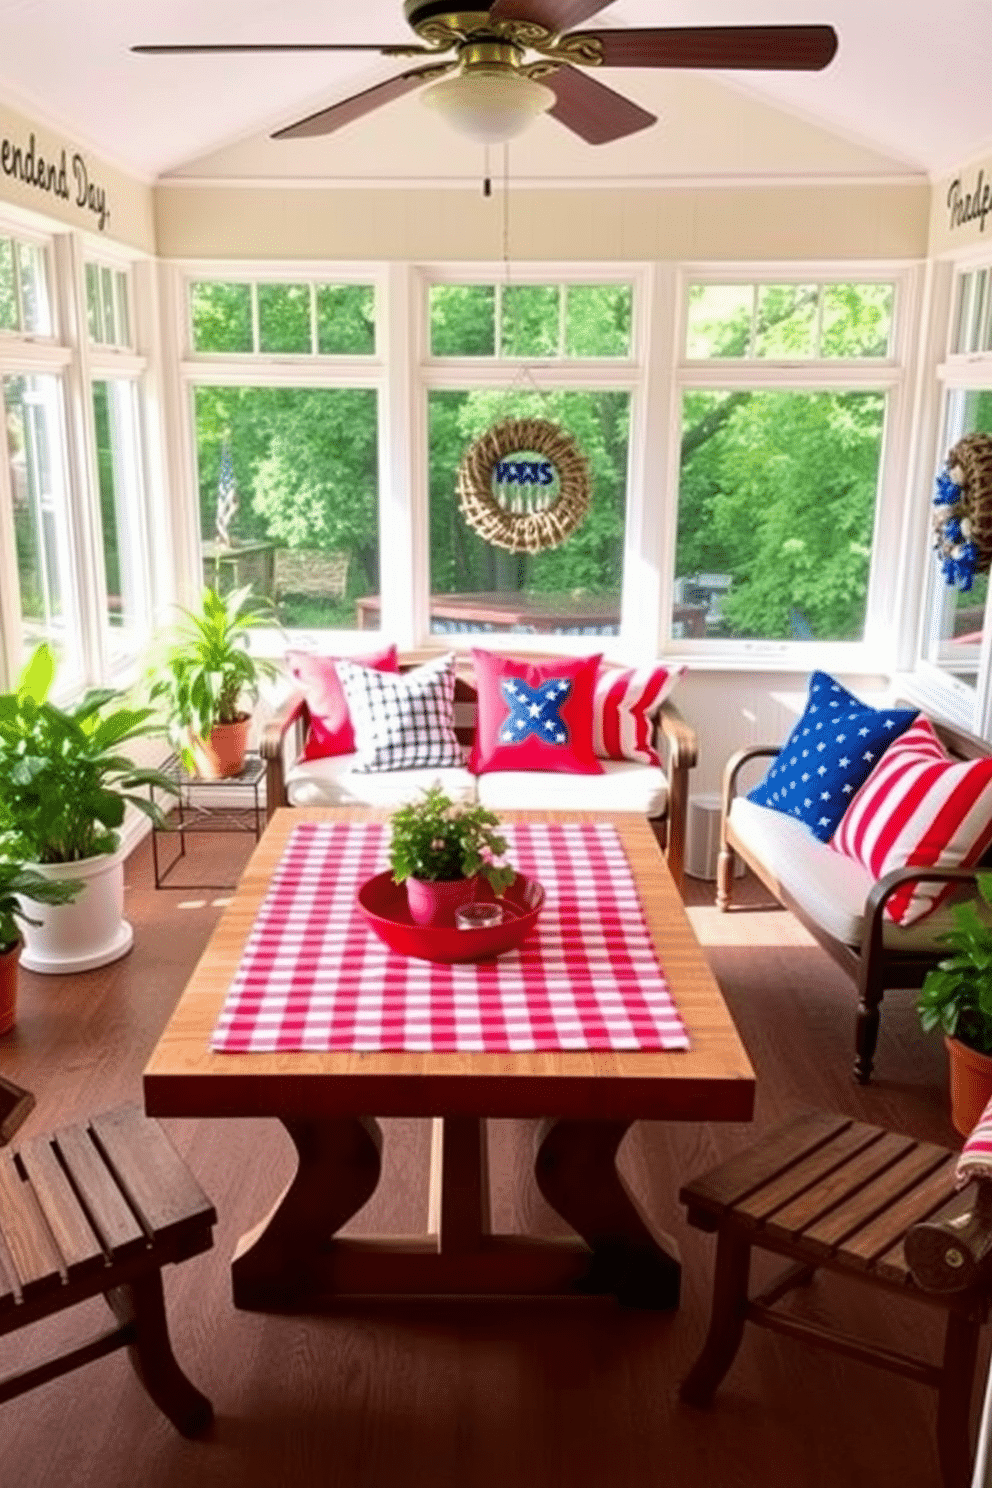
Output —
(976, 1155)
(919, 807)
(623, 710)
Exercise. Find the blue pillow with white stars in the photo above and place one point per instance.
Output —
(829, 755)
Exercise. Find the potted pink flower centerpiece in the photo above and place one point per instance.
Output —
(440, 850)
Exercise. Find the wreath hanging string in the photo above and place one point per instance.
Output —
(533, 523)
(962, 516)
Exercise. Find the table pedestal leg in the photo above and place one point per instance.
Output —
(279, 1262)
(294, 1260)
(576, 1172)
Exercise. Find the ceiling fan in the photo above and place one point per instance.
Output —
(494, 91)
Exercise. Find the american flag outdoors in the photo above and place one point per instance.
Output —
(227, 497)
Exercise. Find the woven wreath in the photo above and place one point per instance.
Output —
(540, 512)
(962, 517)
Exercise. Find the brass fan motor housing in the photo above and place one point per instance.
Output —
(469, 31)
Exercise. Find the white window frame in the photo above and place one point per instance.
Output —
(639, 605)
(19, 227)
(254, 275)
(968, 706)
(71, 356)
(891, 376)
(277, 369)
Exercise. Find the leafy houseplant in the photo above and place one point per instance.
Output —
(63, 784)
(64, 787)
(17, 881)
(956, 998)
(434, 841)
(207, 673)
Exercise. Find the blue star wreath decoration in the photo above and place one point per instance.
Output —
(535, 710)
(956, 553)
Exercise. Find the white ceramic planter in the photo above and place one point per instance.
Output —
(89, 932)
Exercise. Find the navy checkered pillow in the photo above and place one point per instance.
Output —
(403, 721)
(829, 755)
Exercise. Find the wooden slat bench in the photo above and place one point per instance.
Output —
(827, 1192)
(101, 1208)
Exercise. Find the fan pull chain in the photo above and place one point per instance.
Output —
(487, 180)
(506, 211)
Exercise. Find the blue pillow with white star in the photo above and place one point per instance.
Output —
(829, 755)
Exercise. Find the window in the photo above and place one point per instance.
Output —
(789, 321)
(779, 470)
(282, 319)
(299, 469)
(576, 587)
(25, 304)
(115, 419)
(530, 321)
(955, 628)
(289, 474)
(33, 409)
(971, 330)
(108, 314)
(572, 589)
(957, 616)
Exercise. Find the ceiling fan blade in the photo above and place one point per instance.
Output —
(385, 48)
(592, 110)
(326, 121)
(771, 48)
(554, 15)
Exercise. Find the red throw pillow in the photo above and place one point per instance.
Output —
(625, 705)
(330, 722)
(534, 715)
(919, 808)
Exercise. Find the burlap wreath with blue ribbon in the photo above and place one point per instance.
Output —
(962, 517)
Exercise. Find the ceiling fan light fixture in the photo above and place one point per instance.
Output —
(489, 106)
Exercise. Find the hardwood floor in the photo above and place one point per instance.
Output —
(420, 1395)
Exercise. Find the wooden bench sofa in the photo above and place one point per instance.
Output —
(836, 899)
(659, 794)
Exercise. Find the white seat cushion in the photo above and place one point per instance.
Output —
(333, 782)
(623, 786)
(831, 888)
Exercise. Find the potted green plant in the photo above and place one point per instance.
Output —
(206, 676)
(439, 849)
(18, 883)
(956, 998)
(64, 787)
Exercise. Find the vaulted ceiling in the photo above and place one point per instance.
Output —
(905, 96)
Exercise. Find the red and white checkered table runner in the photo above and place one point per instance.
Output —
(313, 976)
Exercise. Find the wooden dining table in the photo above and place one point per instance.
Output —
(582, 1105)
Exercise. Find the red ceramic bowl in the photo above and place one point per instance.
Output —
(384, 906)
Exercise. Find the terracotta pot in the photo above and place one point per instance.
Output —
(223, 754)
(970, 1084)
(433, 902)
(8, 987)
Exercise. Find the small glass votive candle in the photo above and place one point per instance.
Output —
(478, 916)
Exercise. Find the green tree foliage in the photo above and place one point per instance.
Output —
(305, 464)
(778, 489)
(781, 496)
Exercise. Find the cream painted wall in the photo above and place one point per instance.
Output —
(89, 194)
(961, 209)
(731, 710)
(707, 130)
(622, 225)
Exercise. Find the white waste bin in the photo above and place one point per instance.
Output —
(702, 838)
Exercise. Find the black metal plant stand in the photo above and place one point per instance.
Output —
(200, 807)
